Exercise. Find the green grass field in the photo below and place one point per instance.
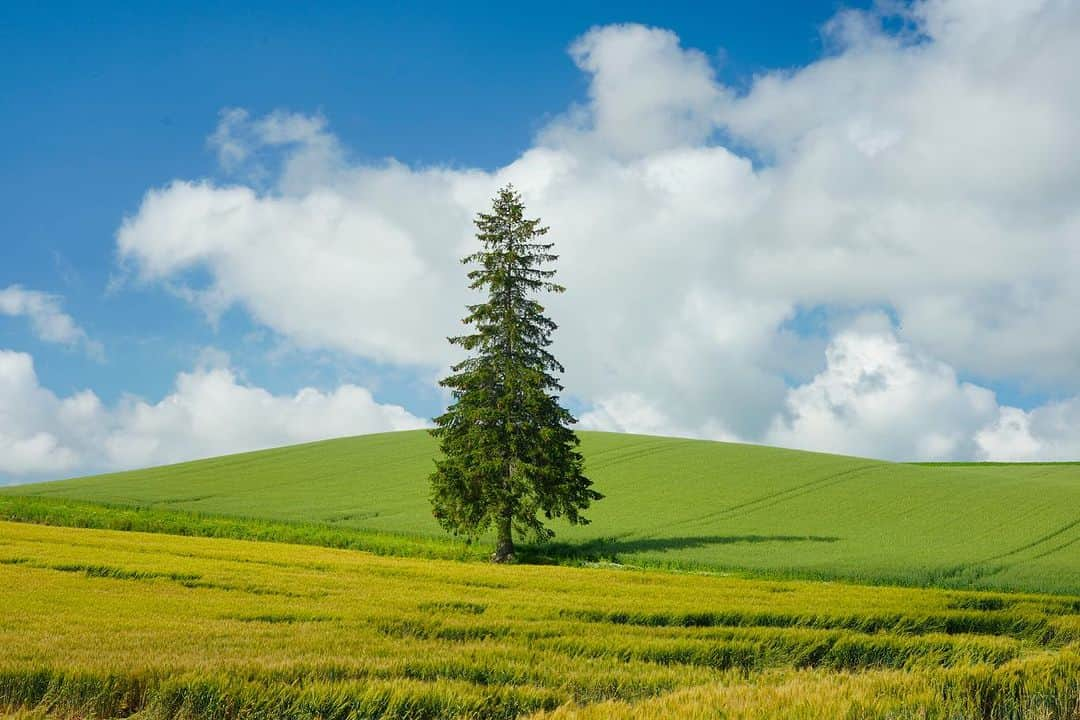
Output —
(678, 503)
(104, 624)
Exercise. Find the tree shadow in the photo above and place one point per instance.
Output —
(609, 549)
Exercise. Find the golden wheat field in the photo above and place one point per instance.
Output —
(112, 624)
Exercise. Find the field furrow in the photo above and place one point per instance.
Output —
(112, 624)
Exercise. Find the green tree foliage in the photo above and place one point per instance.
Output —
(509, 457)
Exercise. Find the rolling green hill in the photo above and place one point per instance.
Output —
(687, 503)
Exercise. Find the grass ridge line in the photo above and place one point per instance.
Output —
(60, 512)
(104, 516)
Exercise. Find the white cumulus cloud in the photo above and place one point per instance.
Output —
(1048, 432)
(209, 412)
(699, 226)
(49, 322)
(881, 397)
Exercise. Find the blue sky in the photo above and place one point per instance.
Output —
(106, 102)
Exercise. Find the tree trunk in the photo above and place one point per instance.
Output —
(504, 546)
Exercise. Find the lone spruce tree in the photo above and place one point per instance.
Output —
(509, 456)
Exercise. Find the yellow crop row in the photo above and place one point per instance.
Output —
(107, 624)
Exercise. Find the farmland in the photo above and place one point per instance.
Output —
(107, 624)
(683, 504)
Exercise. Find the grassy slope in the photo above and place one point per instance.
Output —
(684, 502)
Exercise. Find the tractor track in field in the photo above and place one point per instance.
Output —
(780, 496)
(983, 568)
(1053, 550)
(1035, 543)
(643, 450)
